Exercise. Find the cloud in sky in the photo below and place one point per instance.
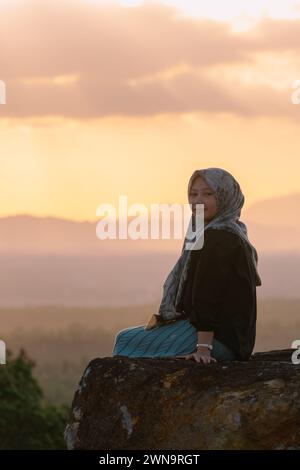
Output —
(82, 60)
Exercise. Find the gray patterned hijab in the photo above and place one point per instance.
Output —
(230, 201)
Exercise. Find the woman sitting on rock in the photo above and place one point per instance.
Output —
(208, 308)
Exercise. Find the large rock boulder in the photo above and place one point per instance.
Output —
(167, 403)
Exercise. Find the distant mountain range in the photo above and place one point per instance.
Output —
(273, 225)
(47, 260)
(281, 211)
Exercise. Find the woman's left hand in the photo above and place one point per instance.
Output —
(201, 355)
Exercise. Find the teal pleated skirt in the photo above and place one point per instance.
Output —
(173, 339)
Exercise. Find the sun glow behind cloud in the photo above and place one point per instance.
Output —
(135, 110)
(242, 14)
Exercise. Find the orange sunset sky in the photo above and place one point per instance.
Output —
(105, 98)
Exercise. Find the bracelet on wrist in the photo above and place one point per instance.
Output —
(208, 346)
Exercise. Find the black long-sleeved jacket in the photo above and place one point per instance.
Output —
(220, 291)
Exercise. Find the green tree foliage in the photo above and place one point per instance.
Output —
(26, 420)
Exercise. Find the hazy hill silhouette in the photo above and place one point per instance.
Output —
(273, 225)
(47, 260)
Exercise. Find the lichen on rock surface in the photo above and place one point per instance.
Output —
(167, 403)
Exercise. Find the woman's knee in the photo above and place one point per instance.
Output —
(221, 352)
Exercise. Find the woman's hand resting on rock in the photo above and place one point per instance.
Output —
(201, 355)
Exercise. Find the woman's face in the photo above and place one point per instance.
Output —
(201, 193)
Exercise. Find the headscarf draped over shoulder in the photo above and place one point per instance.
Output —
(230, 201)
